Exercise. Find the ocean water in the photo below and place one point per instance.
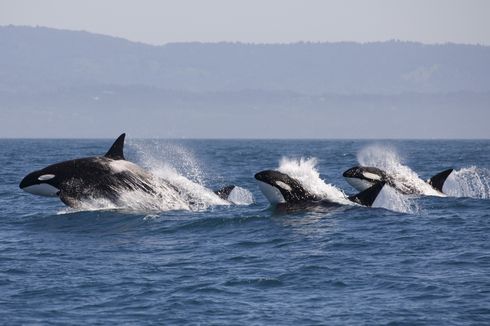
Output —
(413, 261)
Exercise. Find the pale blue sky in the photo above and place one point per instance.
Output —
(261, 21)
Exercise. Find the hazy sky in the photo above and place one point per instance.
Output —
(263, 21)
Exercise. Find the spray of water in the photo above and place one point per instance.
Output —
(304, 170)
(158, 154)
(241, 196)
(468, 182)
(387, 159)
(393, 200)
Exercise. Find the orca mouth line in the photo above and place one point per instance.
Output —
(24, 183)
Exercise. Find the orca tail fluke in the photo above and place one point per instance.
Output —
(437, 181)
(225, 192)
(368, 196)
(116, 150)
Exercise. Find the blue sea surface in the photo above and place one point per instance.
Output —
(246, 264)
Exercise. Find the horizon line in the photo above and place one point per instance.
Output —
(249, 139)
(243, 42)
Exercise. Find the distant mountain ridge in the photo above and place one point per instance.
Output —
(58, 83)
(43, 59)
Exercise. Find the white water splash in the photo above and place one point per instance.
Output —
(134, 201)
(151, 154)
(179, 166)
(304, 170)
(241, 196)
(468, 182)
(393, 200)
(198, 196)
(89, 205)
(387, 159)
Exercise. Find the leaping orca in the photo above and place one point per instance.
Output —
(363, 177)
(99, 177)
(284, 191)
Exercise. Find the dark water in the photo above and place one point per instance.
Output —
(245, 264)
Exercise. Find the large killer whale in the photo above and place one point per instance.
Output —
(285, 192)
(100, 177)
(363, 177)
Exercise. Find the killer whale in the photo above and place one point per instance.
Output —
(363, 177)
(98, 177)
(284, 191)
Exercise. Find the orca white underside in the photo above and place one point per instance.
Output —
(271, 193)
(42, 189)
(359, 184)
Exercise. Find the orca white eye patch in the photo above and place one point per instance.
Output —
(46, 177)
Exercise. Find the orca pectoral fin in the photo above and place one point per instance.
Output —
(116, 150)
(368, 196)
(68, 201)
(225, 192)
(437, 181)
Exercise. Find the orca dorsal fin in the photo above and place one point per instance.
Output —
(368, 196)
(116, 150)
(437, 181)
(225, 192)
